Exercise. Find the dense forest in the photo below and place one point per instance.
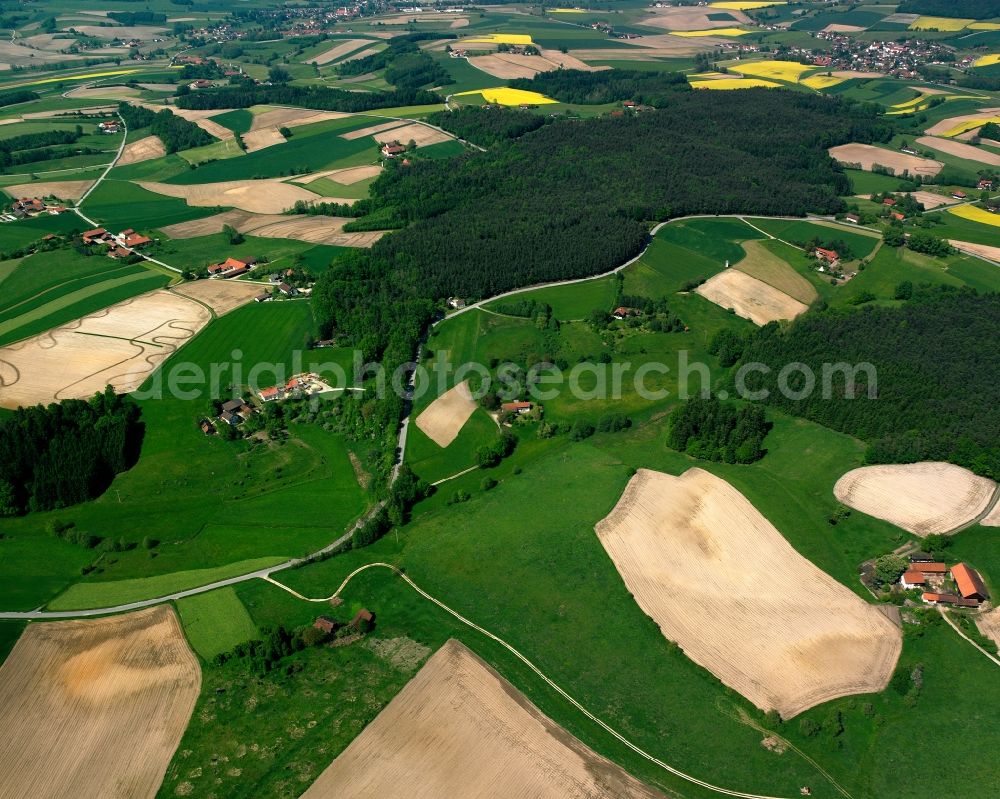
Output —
(972, 9)
(56, 456)
(529, 211)
(936, 395)
(708, 429)
(606, 86)
(486, 125)
(321, 98)
(175, 133)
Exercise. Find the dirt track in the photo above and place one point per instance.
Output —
(458, 729)
(722, 582)
(923, 498)
(749, 297)
(95, 708)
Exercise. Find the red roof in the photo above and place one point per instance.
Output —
(970, 584)
(914, 578)
(136, 240)
(516, 406)
(97, 231)
(888, 201)
(829, 255)
(930, 568)
(267, 393)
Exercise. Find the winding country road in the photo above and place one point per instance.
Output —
(400, 449)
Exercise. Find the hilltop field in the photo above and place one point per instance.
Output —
(306, 541)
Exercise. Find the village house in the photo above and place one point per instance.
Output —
(456, 302)
(119, 252)
(262, 297)
(231, 267)
(288, 291)
(829, 256)
(897, 216)
(970, 584)
(930, 568)
(230, 418)
(207, 427)
(28, 207)
(948, 599)
(912, 579)
(959, 195)
(985, 185)
(110, 127)
(363, 619)
(393, 149)
(854, 219)
(271, 394)
(889, 201)
(232, 405)
(134, 240)
(516, 407)
(624, 313)
(325, 624)
(96, 236)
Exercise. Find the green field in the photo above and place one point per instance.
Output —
(48, 289)
(119, 204)
(215, 622)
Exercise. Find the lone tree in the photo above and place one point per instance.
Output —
(888, 568)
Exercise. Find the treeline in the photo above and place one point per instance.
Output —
(935, 397)
(973, 9)
(406, 66)
(485, 126)
(34, 147)
(175, 132)
(68, 452)
(321, 98)
(708, 429)
(138, 17)
(11, 98)
(606, 86)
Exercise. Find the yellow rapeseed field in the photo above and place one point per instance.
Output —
(716, 32)
(778, 70)
(939, 23)
(976, 214)
(969, 124)
(985, 26)
(821, 81)
(500, 38)
(748, 5)
(506, 96)
(86, 76)
(987, 60)
(733, 83)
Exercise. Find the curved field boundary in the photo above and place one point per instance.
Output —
(537, 671)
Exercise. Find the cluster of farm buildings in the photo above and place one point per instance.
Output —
(121, 246)
(925, 573)
(28, 207)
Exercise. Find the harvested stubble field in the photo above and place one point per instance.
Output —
(443, 419)
(867, 156)
(261, 139)
(222, 296)
(687, 18)
(459, 729)
(982, 250)
(722, 582)
(348, 176)
(339, 50)
(291, 117)
(63, 189)
(312, 229)
(201, 118)
(142, 150)
(422, 135)
(351, 135)
(120, 346)
(509, 65)
(992, 518)
(256, 196)
(95, 708)
(960, 150)
(989, 625)
(749, 297)
(764, 265)
(924, 498)
(929, 199)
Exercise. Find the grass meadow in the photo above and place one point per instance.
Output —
(215, 622)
